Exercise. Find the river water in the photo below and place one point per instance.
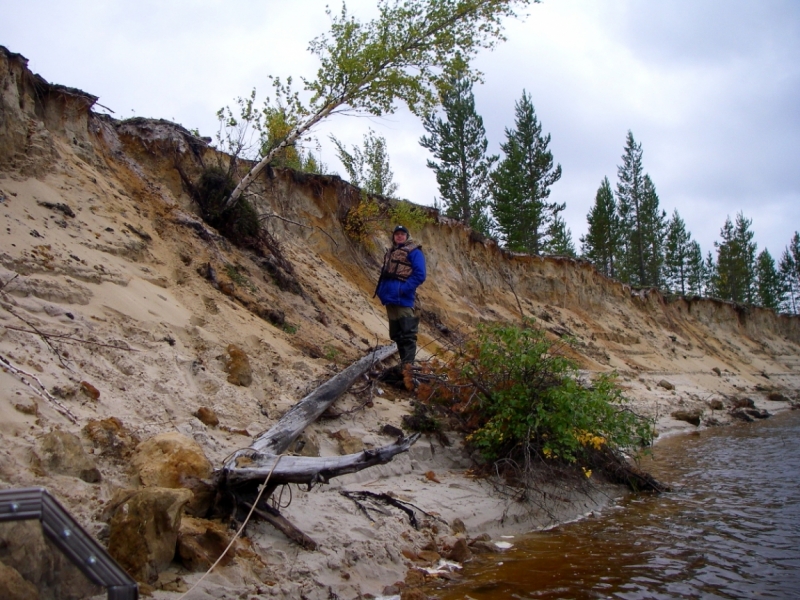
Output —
(730, 529)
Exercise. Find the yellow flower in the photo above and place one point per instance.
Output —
(587, 472)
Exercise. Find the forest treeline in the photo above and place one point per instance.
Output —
(630, 237)
(507, 196)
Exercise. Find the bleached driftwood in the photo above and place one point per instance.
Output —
(311, 470)
(281, 435)
(250, 467)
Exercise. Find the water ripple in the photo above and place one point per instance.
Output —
(731, 530)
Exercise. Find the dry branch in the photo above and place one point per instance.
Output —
(246, 469)
(277, 439)
(311, 470)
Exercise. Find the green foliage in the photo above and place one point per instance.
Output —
(789, 270)
(409, 215)
(697, 276)
(641, 222)
(251, 133)
(559, 239)
(368, 168)
(404, 54)
(458, 143)
(364, 220)
(600, 244)
(519, 395)
(734, 278)
(369, 217)
(521, 183)
(790, 276)
(240, 223)
(768, 281)
(239, 278)
(330, 352)
(678, 247)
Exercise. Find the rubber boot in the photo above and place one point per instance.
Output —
(394, 330)
(407, 339)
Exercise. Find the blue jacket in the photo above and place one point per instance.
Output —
(402, 293)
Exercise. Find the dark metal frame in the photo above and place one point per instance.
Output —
(72, 539)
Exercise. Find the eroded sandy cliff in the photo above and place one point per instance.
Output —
(102, 250)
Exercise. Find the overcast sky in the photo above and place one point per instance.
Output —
(710, 88)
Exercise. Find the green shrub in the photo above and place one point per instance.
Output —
(412, 217)
(238, 223)
(368, 217)
(518, 395)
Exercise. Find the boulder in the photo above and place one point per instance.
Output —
(457, 526)
(778, 397)
(15, 587)
(460, 551)
(201, 542)
(143, 531)
(169, 459)
(172, 460)
(237, 365)
(111, 437)
(61, 452)
(348, 444)
(666, 385)
(749, 414)
(716, 404)
(743, 403)
(207, 416)
(692, 416)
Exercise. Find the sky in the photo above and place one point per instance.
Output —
(709, 88)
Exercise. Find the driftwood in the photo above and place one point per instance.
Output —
(311, 470)
(246, 469)
(281, 435)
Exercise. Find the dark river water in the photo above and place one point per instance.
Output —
(731, 529)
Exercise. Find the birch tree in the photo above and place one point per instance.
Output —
(402, 55)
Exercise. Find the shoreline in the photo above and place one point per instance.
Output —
(362, 558)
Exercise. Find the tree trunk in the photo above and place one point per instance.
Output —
(281, 435)
(311, 470)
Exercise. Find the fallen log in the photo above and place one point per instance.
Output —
(245, 470)
(311, 470)
(281, 435)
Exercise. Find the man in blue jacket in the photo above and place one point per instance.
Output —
(402, 273)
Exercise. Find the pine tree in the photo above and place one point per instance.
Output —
(521, 183)
(560, 239)
(630, 196)
(653, 231)
(368, 168)
(599, 245)
(696, 275)
(789, 270)
(736, 256)
(768, 281)
(710, 269)
(677, 252)
(458, 143)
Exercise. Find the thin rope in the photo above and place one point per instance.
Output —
(238, 533)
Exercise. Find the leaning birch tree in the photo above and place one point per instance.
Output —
(404, 54)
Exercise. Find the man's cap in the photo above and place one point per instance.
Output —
(400, 228)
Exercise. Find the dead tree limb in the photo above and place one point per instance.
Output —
(248, 468)
(312, 470)
(282, 524)
(278, 438)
